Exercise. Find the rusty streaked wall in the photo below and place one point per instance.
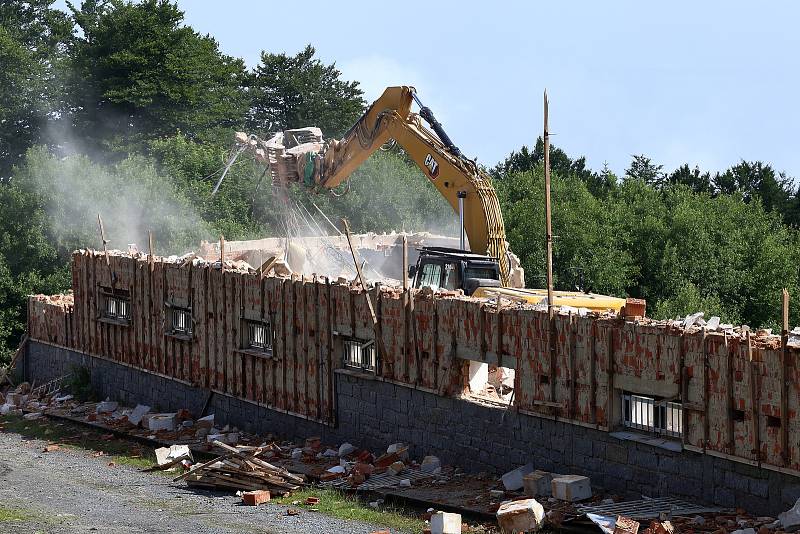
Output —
(740, 395)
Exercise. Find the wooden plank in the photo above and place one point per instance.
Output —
(593, 373)
(232, 313)
(610, 378)
(786, 452)
(313, 382)
(731, 399)
(330, 396)
(283, 331)
(572, 371)
(706, 389)
(754, 400)
(216, 329)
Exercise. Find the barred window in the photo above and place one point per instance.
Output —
(359, 355)
(181, 321)
(117, 307)
(652, 415)
(259, 336)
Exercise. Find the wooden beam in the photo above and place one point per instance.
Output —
(731, 397)
(105, 250)
(706, 391)
(547, 211)
(151, 255)
(754, 400)
(786, 452)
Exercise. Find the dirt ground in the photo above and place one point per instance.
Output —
(74, 490)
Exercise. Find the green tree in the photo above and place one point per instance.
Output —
(755, 179)
(587, 246)
(643, 168)
(33, 38)
(300, 90)
(140, 74)
(560, 163)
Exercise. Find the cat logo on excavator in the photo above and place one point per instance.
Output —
(433, 167)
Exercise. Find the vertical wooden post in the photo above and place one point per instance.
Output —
(593, 374)
(405, 263)
(731, 397)
(610, 377)
(684, 388)
(547, 213)
(572, 348)
(105, 251)
(406, 314)
(151, 254)
(706, 391)
(754, 401)
(222, 252)
(786, 453)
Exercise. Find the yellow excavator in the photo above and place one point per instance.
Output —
(302, 156)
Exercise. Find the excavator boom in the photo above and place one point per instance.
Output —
(329, 164)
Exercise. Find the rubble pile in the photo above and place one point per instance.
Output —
(243, 468)
(248, 463)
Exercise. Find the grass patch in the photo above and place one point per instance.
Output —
(115, 449)
(10, 515)
(343, 506)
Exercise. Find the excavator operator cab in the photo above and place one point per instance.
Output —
(449, 269)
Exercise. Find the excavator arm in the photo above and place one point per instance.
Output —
(301, 156)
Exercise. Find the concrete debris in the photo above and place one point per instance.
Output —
(571, 488)
(135, 417)
(538, 484)
(520, 516)
(346, 449)
(161, 421)
(107, 406)
(625, 525)
(172, 454)
(513, 480)
(430, 464)
(790, 519)
(445, 523)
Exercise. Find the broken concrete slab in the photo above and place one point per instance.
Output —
(513, 480)
(135, 417)
(445, 523)
(538, 484)
(790, 519)
(162, 421)
(430, 464)
(571, 488)
(526, 515)
(107, 406)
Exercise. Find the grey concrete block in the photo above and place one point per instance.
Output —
(617, 453)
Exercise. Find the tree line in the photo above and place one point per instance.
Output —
(120, 108)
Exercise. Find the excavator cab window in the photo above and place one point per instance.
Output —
(430, 275)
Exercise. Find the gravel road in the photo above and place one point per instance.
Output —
(69, 490)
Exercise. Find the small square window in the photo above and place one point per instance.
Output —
(116, 307)
(259, 336)
(359, 355)
(652, 415)
(180, 321)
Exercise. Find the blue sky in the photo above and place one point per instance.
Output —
(708, 83)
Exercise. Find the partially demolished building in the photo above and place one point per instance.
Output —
(642, 407)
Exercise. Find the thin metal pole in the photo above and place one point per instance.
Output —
(461, 196)
(547, 212)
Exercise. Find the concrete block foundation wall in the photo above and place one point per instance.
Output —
(374, 413)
